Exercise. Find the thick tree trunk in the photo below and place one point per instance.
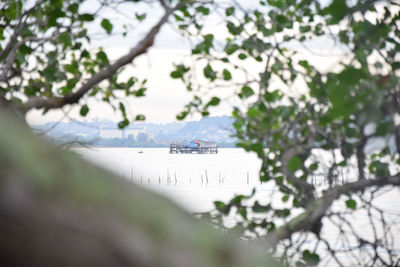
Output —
(57, 210)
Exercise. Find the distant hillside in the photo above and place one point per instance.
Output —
(216, 129)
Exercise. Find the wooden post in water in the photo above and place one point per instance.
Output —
(343, 177)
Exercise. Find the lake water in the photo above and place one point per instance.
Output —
(195, 181)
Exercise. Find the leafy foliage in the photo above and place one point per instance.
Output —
(306, 120)
(48, 59)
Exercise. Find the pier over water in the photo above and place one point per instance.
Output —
(194, 147)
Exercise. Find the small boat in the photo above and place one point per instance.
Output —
(140, 152)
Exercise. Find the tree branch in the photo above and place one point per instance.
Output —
(19, 27)
(57, 102)
(314, 213)
(11, 56)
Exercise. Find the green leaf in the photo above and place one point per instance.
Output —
(140, 117)
(242, 56)
(209, 73)
(246, 92)
(72, 68)
(208, 38)
(351, 204)
(178, 18)
(295, 202)
(179, 71)
(285, 198)
(233, 29)
(227, 75)
(253, 112)
(73, 8)
(313, 166)
(65, 38)
(219, 205)
(273, 96)
(204, 10)
(107, 26)
(71, 83)
(86, 17)
(271, 227)
(243, 212)
(182, 115)
(123, 124)
(305, 29)
(395, 65)
(311, 259)
(140, 92)
(231, 48)
(229, 11)
(337, 9)
(122, 108)
(102, 57)
(214, 101)
(380, 169)
(294, 164)
(84, 110)
(140, 17)
(53, 15)
(258, 148)
(260, 208)
(305, 65)
(176, 74)
(277, 3)
(2, 34)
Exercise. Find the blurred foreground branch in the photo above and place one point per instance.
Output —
(56, 210)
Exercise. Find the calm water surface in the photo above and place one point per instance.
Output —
(193, 181)
(196, 181)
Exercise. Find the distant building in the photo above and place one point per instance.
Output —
(115, 132)
(110, 132)
(134, 131)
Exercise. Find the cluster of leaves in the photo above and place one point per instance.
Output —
(46, 51)
(302, 120)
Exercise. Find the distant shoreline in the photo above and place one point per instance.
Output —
(89, 146)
